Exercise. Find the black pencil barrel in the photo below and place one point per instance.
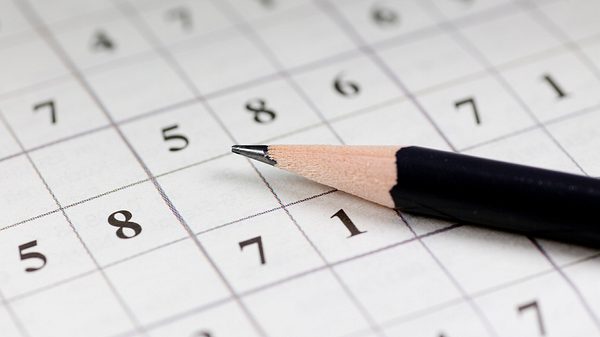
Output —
(532, 201)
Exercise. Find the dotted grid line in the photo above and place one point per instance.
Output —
(70, 65)
(472, 49)
(249, 31)
(526, 59)
(132, 318)
(371, 109)
(585, 110)
(343, 23)
(562, 36)
(389, 322)
(505, 9)
(310, 66)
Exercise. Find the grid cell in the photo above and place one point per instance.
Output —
(103, 163)
(260, 250)
(289, 310)
(48, 114)
(288, 35)
(122, 224)
(86, 304)
(177, 274)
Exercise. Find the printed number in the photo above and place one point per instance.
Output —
(102, 41)
(384, 16)
(50, 105)
(123, 224)
(202, 333)
(470, 101)
(262, 114)
(257, 240)
(534, 306)
(557, 89)
(341, 214)
(345, 88)
(31, 255)
(182, 15)
(167, 137)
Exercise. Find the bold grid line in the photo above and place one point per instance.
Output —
(331, 11)
(126, 309)
(166, 55)
(355, 36)
(158, 187)
(389, 42)
(13, 316)
(392, 321)
(464, 294)
(249, 31)
(190, 83)
(298, 70)
(574, 114)
(472, 49)
(75, 72)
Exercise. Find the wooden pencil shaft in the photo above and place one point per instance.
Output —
(456, 187)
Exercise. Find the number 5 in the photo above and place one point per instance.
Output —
(32, 255)
(168, 137)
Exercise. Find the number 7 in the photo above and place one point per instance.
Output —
(49, 104)
(470, 101)
(257, 240)
(534, 305)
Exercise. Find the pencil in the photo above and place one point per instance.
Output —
(455, 187)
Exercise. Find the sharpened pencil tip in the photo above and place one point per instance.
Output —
(256, 152)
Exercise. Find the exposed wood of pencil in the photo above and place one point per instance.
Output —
(366, 171)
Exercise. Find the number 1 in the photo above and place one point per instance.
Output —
(341, 214)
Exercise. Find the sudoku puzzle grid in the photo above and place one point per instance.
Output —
(122, 212)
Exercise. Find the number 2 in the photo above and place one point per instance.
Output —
(31, 255)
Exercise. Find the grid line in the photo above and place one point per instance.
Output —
(71, 66)
(369, 51)
(355, 36)
(129, 11)
(246, 29)
(126, 309)
(464, 294)
(13, 316)
(24, 152)
(436, 87)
